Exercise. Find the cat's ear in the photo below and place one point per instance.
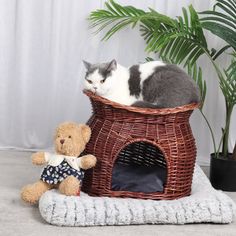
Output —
(112, 65)
(87, 65)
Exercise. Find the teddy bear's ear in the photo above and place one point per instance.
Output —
(86, 132)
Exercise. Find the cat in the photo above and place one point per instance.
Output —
(152, 84)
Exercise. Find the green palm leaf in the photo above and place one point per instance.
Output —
(169, 37)
(196, 73)
(228, 84)
(221, 21)
(179, 41)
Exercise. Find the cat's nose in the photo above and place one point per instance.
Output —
(95, 88)
(62, 141)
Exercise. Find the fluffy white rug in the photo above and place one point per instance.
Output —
(205, 204)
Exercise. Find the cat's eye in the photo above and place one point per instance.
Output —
(69, 136)
(89, 81)
(102, 81)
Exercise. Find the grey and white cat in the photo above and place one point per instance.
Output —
(153, 84)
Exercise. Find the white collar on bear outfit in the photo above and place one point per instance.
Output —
(55, 159)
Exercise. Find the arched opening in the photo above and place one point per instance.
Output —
(139, 167)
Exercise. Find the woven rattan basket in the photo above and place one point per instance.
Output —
(145, 136)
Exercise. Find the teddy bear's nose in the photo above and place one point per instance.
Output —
(62, 141)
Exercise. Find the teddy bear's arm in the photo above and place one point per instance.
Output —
(87, 161)
(39, 158)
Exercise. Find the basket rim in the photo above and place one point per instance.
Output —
(148, 111)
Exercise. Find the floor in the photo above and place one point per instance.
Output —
(18, 218)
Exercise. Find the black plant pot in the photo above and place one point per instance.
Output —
(223, 173)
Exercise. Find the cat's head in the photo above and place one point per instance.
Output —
(98, 78)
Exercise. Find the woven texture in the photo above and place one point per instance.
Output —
(147, 137)
(205, 204)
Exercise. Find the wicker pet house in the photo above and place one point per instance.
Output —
(146, 137)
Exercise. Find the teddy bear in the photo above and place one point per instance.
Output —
(65, 168)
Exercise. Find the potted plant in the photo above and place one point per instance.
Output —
(181, 40)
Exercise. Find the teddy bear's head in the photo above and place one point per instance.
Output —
(71, 138)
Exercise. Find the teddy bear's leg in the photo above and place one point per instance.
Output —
(32, 192)
(70, 186)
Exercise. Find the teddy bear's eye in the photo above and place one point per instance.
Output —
(69, 136)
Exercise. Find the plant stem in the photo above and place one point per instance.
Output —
(234, 152)
(226, 133)
(225, 136)
(211, 132)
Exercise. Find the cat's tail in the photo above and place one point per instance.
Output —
(143, 104)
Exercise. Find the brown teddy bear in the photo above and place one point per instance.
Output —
(64, 169)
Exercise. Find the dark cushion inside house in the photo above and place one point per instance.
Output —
(138, 178)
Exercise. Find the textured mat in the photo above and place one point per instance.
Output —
(204, 205)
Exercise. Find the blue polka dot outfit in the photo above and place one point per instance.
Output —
(56, 174)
